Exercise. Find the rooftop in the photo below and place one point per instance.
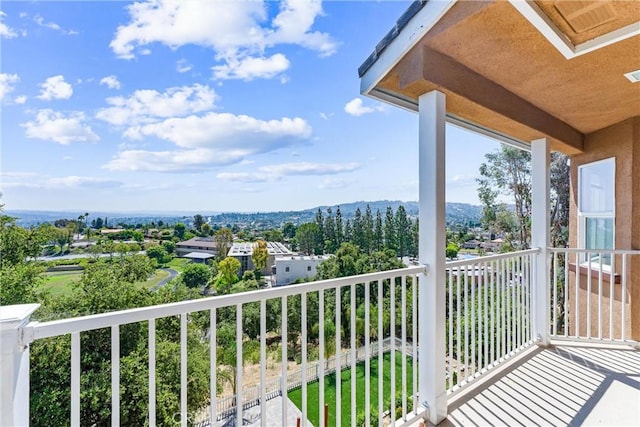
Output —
(246, 248)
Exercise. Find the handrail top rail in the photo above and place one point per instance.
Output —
(596, 251)
(478, 260)
(39, 330)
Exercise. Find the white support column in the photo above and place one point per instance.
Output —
(14, 365)
(540, 224)
(432, 242)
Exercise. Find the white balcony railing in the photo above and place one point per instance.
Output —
(360, 302)
(590, 294)
(489, 303)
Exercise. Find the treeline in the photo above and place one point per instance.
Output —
(370, 232)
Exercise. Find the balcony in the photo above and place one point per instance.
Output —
(488, 343)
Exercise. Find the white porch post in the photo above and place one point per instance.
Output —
(432, 242)
(540, 211)
(14, 365)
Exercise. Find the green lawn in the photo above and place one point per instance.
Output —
(313, 399)
(60, 283)
(179, 264)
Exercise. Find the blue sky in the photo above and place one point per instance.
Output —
(198, 106)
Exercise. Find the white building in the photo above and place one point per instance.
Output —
(291, 268)
(242, 252)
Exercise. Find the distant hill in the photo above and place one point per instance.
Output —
(456, 213)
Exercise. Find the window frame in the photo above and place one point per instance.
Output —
(583, 216)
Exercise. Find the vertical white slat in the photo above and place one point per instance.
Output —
(239, 367)
(477, 277)
(589, 291)
(353, 353)
(380, 353)
(458, 319)
(577, 304)
(611, 294)
(554, 287)
(623, 298)
(321, 356)
(520, 317)
(263, 362)
(451, 320)
(466, 323)
(184, 415)
(392, 336)
(503, 312)
(75, 379)
(403, 314)
(600, 283)
(492, 290)
(472, 283)
(213, 365)
(367, 353)
(415, 344)
(338, 358)
(510, 301)
(115, 375)
(485, 312)
(152, 372)
(283, 363)
(565, 290)
(305, 342)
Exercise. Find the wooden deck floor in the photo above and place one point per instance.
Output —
(557, 386)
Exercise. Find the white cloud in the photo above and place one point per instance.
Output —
(20, 99)
(111, 82)
(276, 172)
(7, 82)
(356, 108)
(239, 32)
(40, 181)
(55, 88)
(145, 105)
(6, 31)
(211, 140)
(182, 66)
(38, 19)
(462, 180)
(333, 183)
(61, 128)
(250, 68)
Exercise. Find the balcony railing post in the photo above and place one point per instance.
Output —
(432, 237)
(540, 211)
(14, 364)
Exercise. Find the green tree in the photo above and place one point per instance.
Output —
(339, 228)
(198, 222)
(169, 246)
(289, 230)
(330, 232)
(378, 233)
(228, 269)
(159, 254)
(403, 231)
(452, 250)
(196, 275)
(307, 236)
(224, 240)
(367, 230)
(260, 256)
(319, 244)
(390, 240)
(179, 229)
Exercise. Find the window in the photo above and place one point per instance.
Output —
(308, 268)
(286, 269)
(596, 208)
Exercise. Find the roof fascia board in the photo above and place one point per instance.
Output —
(411, 34)
(559, 40)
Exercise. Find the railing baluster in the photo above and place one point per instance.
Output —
(353, 354)
(477, 274)
(554, 288)
(485, 313)
(403, 314)
(623, 298)
(466, 324)
(600, 296)
(414, 340)
(611, 294)
(321, 356)
(338, 358)
(213, 365)
(450, 321)
(283, 363)
(183, 370)
(239, 367)
(511, 313)
(304, 356)
(493, 312)
(472, 279)
(75, 379)
(380, 353)
(458, 319)
(367, 353)
(589, 291)
(392, 335)
(577, 304)
(263, 365)
(115, 375)
(152, 372)
(565, 290)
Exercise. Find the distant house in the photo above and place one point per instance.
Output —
(291, 268)
(197, 244)
(243, 251)
(111, 231)
(472, 244)
(199, 257)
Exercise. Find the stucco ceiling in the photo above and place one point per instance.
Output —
(500, 71)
